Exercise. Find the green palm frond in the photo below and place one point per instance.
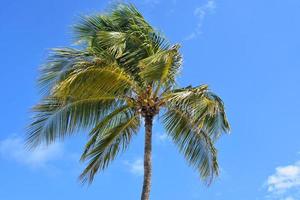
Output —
(123, 18)
(206, 108)
(61, 63)
(88, 27)
(102, 126)
(55, 118)
(112, 42)
(195, 118)
(95, 81)
(161, 67)
(193, 142)
(110, 141)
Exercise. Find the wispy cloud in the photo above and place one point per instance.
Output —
(284, 184)
(200, 13)
(136, 167)
(12, 148)
(161, 138)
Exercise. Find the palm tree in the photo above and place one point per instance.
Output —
(123, 72)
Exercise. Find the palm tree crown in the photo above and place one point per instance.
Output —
(124, 71)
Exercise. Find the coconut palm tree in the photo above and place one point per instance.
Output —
(124, 73)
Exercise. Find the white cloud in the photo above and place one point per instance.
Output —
(161, 137)
(284, 184)
(285, 178)
(136, 167)
(13, 149)
(200, 13)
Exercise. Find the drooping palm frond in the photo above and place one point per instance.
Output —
(206, 108)
(102, 126)
(109, 137)
(194, 119)
(194, 143)
(55, 118)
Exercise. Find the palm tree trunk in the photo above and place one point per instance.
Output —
(147, 158)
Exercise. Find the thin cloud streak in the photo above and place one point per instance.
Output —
(161, 137)
(136, 167)
(200, 13)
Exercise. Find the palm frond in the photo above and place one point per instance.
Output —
(112, 42)
(61, 63)
(55, 118)
(162, 67)
(95, 81)
(126, 19)
(159, 42)
(195, 118)
(122, 18)
(110, 141)
(102, 126)
(193, 142)
(89, 26)
(206, 108)
(129, 19)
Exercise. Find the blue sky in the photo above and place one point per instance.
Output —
(247, 51)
